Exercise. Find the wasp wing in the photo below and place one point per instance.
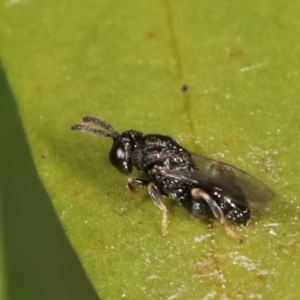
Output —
(256, 192)
(233, 183)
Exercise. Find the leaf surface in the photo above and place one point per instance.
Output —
(222, 78)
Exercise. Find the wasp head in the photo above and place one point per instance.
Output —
(123, 144)
(121, 152)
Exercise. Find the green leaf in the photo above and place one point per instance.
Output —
(127, 63)
(37, 261)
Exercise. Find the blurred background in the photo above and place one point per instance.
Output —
(37, 261)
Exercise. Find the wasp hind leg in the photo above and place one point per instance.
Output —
(199, 194)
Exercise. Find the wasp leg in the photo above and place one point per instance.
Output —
(133, 183)
(199, 194)
(153, 192)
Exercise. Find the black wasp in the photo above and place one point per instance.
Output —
(202, 185)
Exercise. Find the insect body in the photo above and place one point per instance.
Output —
(203, 186)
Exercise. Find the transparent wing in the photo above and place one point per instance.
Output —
(230, 181)
(256, 192)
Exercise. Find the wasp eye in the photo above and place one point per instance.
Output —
(117, 154)
(119, 158)
(120, 154)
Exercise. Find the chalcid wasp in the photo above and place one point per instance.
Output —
(204, 186)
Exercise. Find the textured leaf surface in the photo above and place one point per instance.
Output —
(127, 63)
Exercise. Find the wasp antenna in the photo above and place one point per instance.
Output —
(88, 129)
(105, 125)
